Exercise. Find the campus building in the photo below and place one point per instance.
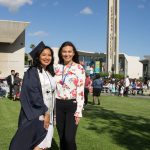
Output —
(146, 67)
(12, 47)
(128, 65)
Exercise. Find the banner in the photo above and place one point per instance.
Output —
(97, 67)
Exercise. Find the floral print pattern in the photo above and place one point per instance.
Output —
(72, 87)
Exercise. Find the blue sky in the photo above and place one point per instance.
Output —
(84, 22)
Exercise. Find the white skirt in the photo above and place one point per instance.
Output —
(46, 143)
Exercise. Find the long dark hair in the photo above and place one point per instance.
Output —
(16, 74)
(75, 57)
(37, 64)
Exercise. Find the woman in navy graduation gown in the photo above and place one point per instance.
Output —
(37, 102)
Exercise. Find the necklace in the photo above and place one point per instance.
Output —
(65, 75)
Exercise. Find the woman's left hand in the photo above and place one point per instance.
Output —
(77, 120)
(46, 121)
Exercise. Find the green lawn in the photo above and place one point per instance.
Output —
(118, 124)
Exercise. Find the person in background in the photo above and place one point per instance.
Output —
(17, 82)
(133, 86)
(88, 83)
(2, 90)
(70, 79)
(97, 88)
(126, 85)
(121, 89)
(91, 71)
(10, 82)
(113, 86)
(35, 127)
(148, 84)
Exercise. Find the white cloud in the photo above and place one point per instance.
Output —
(14, 5)
(141, 6)
(86, 11)
(38, 33)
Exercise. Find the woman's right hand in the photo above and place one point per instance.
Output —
(46, 121)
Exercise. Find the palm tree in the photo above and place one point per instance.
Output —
(32, 46)
(26, 59)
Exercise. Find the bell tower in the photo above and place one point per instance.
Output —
(113, 37)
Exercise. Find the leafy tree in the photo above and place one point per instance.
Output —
(26, 59)
(104, 74)
(32, 46)
(119, 76)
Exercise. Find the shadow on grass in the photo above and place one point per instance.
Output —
(131, 132)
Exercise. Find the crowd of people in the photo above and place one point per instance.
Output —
(126, 87)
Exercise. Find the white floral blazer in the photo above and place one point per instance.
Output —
(70, 80)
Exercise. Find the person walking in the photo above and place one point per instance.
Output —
(88, 83)
(97, 88)
(35, 126)
(70, 79)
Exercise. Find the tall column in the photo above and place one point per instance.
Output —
(113, 37)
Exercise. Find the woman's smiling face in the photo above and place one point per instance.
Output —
(67, 54)
(45, 57)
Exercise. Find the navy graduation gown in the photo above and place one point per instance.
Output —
(31, 95)
(31, 130)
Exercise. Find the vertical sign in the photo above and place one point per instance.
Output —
(97, 66)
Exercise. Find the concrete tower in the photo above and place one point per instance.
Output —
(113, 36)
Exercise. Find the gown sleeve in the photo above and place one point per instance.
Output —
(31, 95)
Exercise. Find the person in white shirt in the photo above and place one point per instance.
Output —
(126, 84)
(148, 84)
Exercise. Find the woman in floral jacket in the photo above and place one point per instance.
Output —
(70, 78)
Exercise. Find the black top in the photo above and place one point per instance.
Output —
(9, 80)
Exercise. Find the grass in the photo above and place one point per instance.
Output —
(117, 124)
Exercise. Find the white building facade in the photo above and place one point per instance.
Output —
(12, 47)
(133, 67)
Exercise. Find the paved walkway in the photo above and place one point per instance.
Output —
(140, 96)
(134, 96)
